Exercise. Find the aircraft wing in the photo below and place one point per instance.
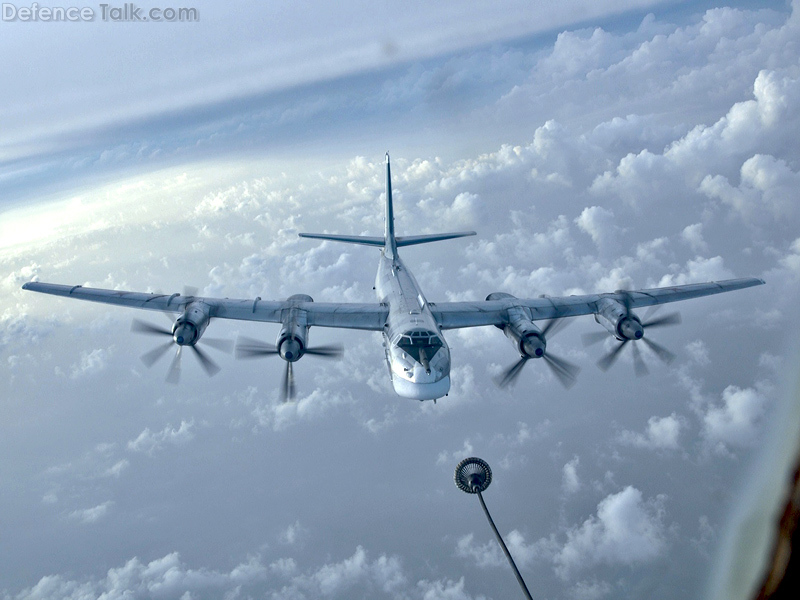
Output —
(454, 315)
(321, 314)
(372, 317)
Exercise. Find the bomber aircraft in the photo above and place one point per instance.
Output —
(416, 351)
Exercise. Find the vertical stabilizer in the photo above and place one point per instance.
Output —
(390, 247)
(388, 242)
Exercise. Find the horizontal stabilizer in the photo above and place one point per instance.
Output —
(349, 239)
(411, 240)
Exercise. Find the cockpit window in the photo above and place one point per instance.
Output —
(420, 344)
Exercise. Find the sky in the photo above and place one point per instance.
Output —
(592, 146)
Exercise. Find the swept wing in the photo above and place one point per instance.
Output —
(372, 316)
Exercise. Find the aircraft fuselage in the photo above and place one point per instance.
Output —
(416, 351)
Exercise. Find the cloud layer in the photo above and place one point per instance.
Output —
(659, 153)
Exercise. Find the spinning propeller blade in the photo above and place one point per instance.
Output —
(565, 371)
(611, 357)
(173, 375)
(639, 366)
(288, 389)
(509, 375)
(250, 348)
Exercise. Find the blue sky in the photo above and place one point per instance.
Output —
(592, 148)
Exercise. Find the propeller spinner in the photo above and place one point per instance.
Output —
(182, 336)
(290, 350)
(536, 347)
(631, 329)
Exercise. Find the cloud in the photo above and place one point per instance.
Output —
(90, 363)
(17, 327)
(635, 103)
(766, 193)
(734, 422)
(170, 577)
(662, 433)
(697, 270)
(279, 415)
(447, 458)
(383, 575)
(446, 589)
(465, 210)
(490, 554)
(117, 468)
(91, 515)
(626, 530)
(693, 235)
(697, 352)
(590, 590)
(599, 223)
(166, 577)
(294, 534)
(693, 162)
(570, 483)
(149, 441)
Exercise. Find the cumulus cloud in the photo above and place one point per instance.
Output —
(445, 589)
(279, 415)
(151, 441)
(357, 573)
(22, 275)
(570, 483)
(616, 133)
(791, 260)
(662, 433)
(697, 270)
(693, 235)
(294, 534)
(734, 422)
(599, 223)
(590, 590)
(489, 553)
(90, 363)
(465, 211)
(626, 530)
(117, 468)
(17, 327)
(750, 129)
(697, 352)
(446, 458)
(767, 191)
(91, 515)
(166, 577)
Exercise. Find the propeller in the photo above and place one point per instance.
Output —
(173, 375)
(639, 366)
(565, 371)
(247, 347)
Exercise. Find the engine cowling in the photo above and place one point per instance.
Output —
(189, 327)
(520, 329)
(618, 320)
(293, 336)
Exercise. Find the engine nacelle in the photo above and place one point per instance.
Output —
(293, 337)
(189, 327)
(621, 323)
(520, 329)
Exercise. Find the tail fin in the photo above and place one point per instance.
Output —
(389, 242)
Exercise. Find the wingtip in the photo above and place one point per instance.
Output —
(387, 157)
